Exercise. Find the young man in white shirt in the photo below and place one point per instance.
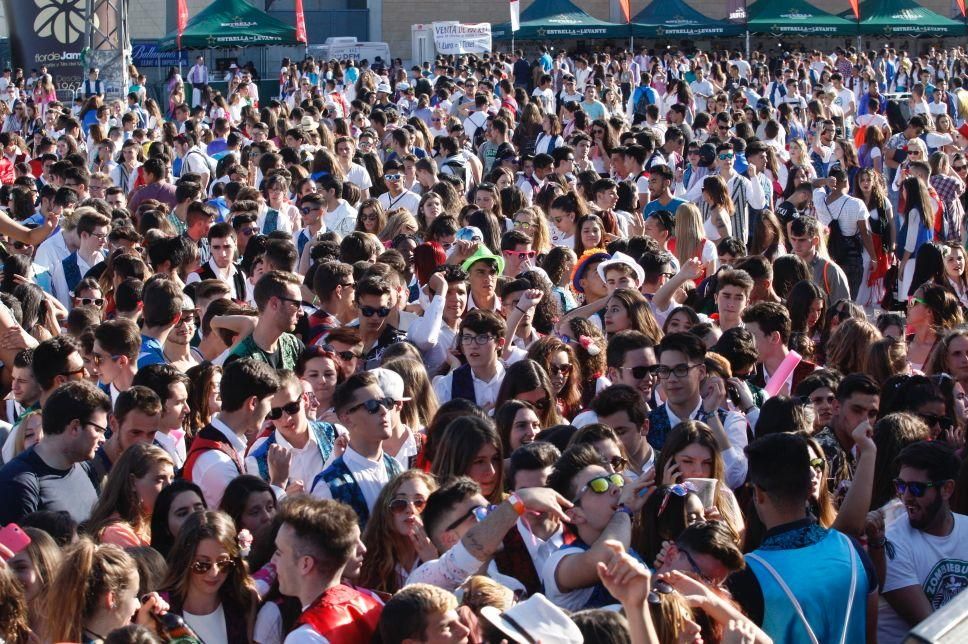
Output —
(355, 173)
(315, 543)
(357, 476)
(340, 216)
(217, 453)
(92, 230)
(307, 445)
(434, 331)
(467, 532)
(397, 196)
(481, 341)
(926, 547)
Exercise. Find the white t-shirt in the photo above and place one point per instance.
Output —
(572, 600)
(406, 199)
(209, 628)
(847, 211)
(939, 565)
(359, 177)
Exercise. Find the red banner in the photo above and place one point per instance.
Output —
(301, 23)
(855, 5)
(182, 19)
(961, 7)
(626, 10)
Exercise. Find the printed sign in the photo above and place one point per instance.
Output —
(458, 38)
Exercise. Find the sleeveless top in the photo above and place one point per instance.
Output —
(345, 489)
(822, 576)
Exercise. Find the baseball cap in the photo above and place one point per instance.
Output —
(390, 383)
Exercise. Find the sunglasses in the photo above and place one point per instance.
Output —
(916, 488)
(641, 371)
(248, 232)
(202, 567)
(392, 177)
(522, 254)
(541, 405)
(617, 463)
(306, 211)
(912, 300)
(600, 485)
(292, 409)
(659, 587)
(373, 405)
(97, 359)
(399, 506)
(560, 369)
(479, 513)
(725, 157)
(96, 301)
(959, 168)
(369, 311)
(817, 464)
(931, 420)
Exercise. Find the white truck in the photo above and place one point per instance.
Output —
(344, 48)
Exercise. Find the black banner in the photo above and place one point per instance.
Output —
(48, 33)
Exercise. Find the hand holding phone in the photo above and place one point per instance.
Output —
(12, 540)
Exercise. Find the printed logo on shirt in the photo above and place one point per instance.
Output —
(948, 578)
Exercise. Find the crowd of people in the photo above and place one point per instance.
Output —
(633, 347)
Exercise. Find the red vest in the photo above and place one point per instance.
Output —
(343, 615)
(207, 439)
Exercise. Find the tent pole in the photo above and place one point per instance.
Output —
(747, 44)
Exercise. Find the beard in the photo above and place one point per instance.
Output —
(928, 515)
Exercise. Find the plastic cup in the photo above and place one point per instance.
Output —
(705, 489)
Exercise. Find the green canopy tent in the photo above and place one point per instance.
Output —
(676, 19)
(795, 18)
(231, 23)
(558, 20)
(904, 18)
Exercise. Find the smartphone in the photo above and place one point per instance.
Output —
(14, 538)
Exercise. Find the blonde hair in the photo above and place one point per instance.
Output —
(420, 410)
(87, 573)
(396, 220)
(689, 232)
(481, 591)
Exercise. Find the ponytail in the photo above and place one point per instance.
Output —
(87, 573)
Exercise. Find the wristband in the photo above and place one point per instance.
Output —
(516, 503)
(520, 309)
(747, 410)
(625, 509)
(877, 544)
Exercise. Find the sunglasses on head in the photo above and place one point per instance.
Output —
(373, 405)
(370, 311)
(202, 567)
(916, 488)
(659, 587)
(291, 408)
(399, 506)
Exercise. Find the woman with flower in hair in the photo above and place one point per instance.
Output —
(207, 582)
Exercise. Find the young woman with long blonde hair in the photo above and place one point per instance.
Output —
(691, 241)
